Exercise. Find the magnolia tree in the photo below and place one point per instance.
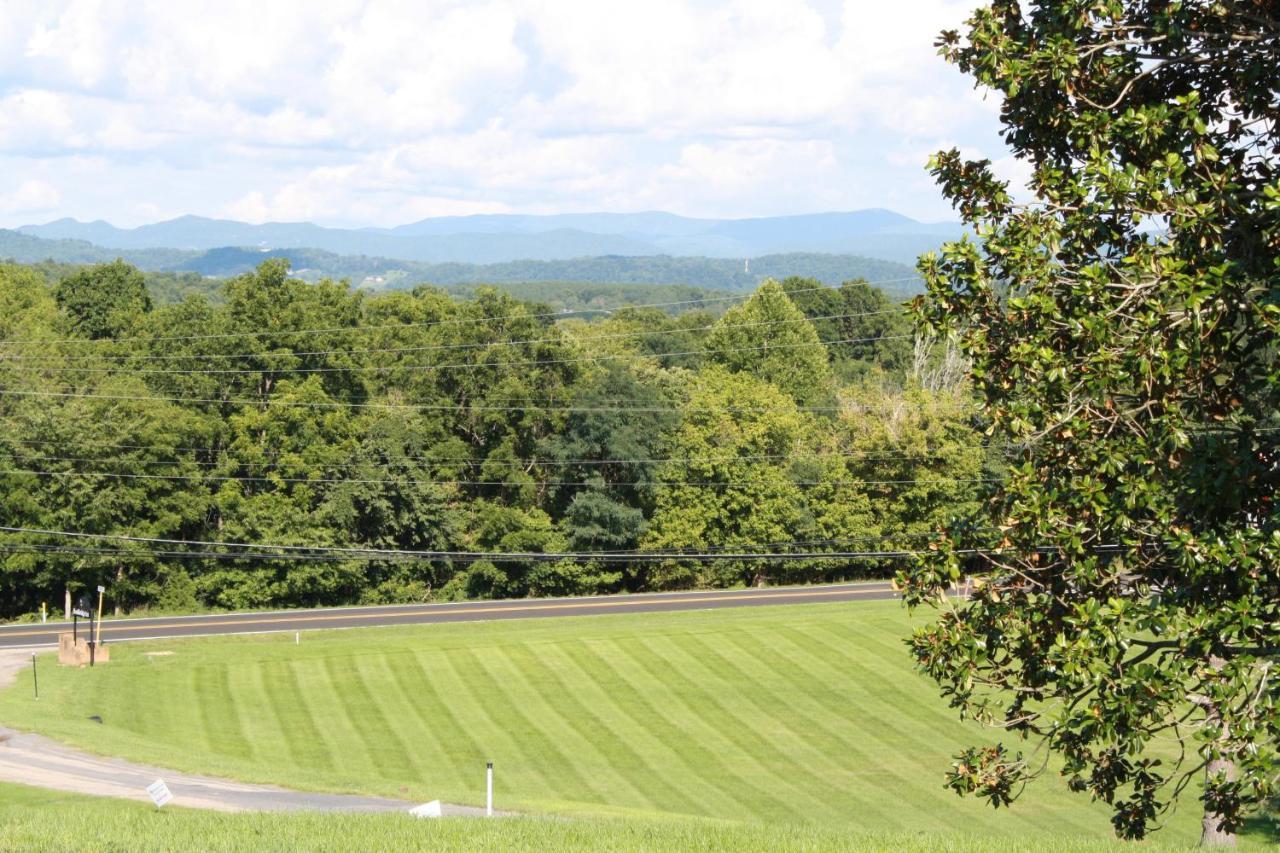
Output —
(1121, 330)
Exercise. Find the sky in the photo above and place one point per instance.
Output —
(383, 112)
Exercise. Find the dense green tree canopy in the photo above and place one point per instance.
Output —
(104, 300)
(770, 338)
(1122, 329)
(436, 431)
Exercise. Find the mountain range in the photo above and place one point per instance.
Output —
(488, 239)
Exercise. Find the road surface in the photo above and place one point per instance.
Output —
(29, 635)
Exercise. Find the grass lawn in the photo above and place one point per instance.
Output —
(805, 715)
(32, 819)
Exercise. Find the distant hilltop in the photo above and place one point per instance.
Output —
(490, 239)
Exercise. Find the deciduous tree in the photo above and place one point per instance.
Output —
(1123, 327)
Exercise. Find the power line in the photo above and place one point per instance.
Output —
(672, 553)
(472, 460)
(793, 543)
(431, 347)
(457, 365)
(486, 483)
(262, 550)
(494, 556)
(440, 407)
(473, 557)
(450, 321)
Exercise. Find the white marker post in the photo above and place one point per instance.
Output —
(488, 799)
(297, 638)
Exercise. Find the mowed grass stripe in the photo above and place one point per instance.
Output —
(698, 747)
(828, 689)
(624, 762)
(219, 712)
(891, 696)
(453, 750)
(161, 699)
(367, 723)
(261, 726)
(521, 771)
(400, 712)
(681, 756)
(722, 737)
(748, 732)
(289, 708)
(822, 745)
(914, 730)
(1049, 811)
(544, 704)
(888, 725)
(517, 708)
(803, 740)
(840, 712)
(322, 706)
(885, 659)
(135, 713)
(628, 728)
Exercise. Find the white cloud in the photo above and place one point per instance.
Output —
(379, 111)
(30, 197)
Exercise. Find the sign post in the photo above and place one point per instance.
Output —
(97, 637)
(84, 609)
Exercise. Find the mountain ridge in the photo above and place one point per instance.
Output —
(377, 273)
(496, 238)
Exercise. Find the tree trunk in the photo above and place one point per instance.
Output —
(119, 578)
(66, 605)
(1211, 832)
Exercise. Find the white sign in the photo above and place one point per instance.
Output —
(102, 589)
(431, 809)
(83, 614)
(159, 792)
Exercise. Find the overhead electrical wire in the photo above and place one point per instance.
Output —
(438, 407)
(489, 556)
(28, 547)
(472, 460)
(486, 483)
(492, 556)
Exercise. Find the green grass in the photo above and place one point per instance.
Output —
(808, 715)
(41, 820)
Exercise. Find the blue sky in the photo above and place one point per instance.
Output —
(348, 112)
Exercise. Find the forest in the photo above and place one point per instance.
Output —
(222, 450)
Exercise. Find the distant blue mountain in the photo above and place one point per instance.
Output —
(488, 239)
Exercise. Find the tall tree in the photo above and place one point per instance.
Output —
(770, 338)
(1124, 328)
(104, 300)
(874, 332)
(115, 465)
(744, 474)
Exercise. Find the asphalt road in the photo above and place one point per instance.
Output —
(116, 630)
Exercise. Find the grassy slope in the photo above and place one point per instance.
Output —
(797, 714)
(41, 820)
